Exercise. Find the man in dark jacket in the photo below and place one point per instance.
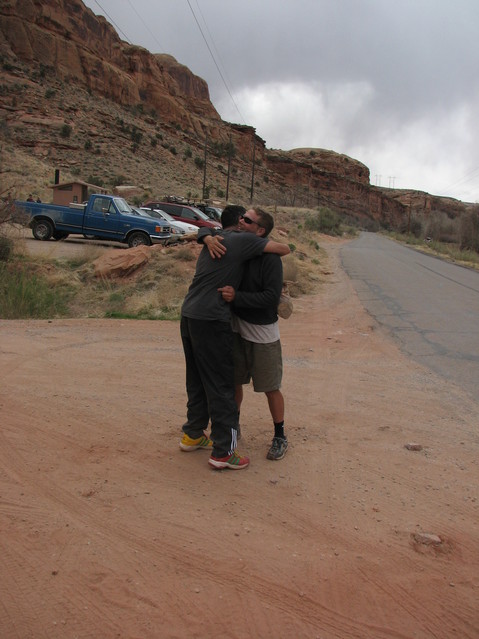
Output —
(208, 343)
(257, 346)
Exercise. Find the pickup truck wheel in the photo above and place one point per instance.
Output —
(139, 239)
(42, 230)
(60, 235)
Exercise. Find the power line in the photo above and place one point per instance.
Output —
(113, 22)
(464, 179)
(161, 48)
(146, 26)
(216, 64)
(212, 40)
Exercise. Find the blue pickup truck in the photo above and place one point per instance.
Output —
(105, 217)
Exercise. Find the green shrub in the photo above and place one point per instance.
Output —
(66, 131)
(26, 296)
(6, 248)
(95, 179)
(326, 221)
(469, 230)
(136, 136)
(118, 180)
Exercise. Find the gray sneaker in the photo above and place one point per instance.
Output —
(278, 449)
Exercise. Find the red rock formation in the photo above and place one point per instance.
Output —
(85, 49)
(65, 39)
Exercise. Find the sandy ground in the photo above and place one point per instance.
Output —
(108, 530)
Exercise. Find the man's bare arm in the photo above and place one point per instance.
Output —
(214, 245)
(276, 247)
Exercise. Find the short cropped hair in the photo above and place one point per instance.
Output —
(231, 215)
(265, 220)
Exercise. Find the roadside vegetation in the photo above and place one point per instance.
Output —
(454, 239)
(47, 287)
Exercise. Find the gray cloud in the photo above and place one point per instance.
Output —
(393, 84)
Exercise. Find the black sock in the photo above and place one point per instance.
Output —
(279, 430)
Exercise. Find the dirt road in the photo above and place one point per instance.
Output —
(108, 530)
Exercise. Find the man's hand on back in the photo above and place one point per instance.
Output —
(214, 245)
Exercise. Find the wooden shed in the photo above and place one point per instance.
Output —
(67, 192)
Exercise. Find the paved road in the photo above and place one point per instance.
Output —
(429, 305)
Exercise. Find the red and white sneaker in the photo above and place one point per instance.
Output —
(235, 461)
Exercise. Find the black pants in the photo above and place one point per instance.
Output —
(208, 347)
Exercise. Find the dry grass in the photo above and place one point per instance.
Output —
(157, 290)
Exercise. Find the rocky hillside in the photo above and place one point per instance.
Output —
(75, 97)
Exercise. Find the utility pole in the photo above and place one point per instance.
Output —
(204, 167)
(252, 171)
(409, 216)
(229, 169)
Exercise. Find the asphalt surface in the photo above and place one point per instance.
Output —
(430, 306)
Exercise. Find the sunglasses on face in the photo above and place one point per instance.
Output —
(248, 220)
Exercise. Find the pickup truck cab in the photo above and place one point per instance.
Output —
(105, 217)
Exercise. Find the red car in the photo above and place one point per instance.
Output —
(184, 213)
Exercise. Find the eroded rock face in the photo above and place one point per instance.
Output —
(66, 40)
(85, 49)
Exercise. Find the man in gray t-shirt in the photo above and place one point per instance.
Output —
(208, 342)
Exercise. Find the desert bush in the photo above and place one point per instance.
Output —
(136, 136)
(413, 226)
(441, 228)
(118, 180)
(23, 295)
(6, 248)
(95, 179)
(66, 131)
(371, 225)
(326, 221)
(469, 230)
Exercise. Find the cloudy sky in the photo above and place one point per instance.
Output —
(391, 83)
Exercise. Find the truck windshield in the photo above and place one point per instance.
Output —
(122, 205)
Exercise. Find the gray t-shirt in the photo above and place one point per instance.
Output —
(203, 301)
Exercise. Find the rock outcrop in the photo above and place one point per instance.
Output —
(73, 93)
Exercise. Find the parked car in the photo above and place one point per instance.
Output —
(213, 212)
(175, 232)
(185, 227)
(184, 213)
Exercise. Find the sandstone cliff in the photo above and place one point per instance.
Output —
(74, 96)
